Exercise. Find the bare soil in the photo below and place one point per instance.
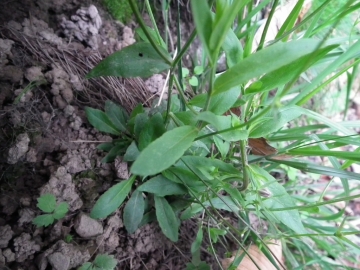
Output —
(47, 145)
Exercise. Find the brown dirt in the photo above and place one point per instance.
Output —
(47, 145)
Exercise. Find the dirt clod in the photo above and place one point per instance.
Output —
(19, 149)
(87, 227)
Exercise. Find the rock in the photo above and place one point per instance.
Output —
(25, 247)
(87, 227)
(84, 26)
(121, 168)
(62, 187)
(26, 216)
(74, 254)
(5, 235)
(21, 147)
(34, 74)
(11, 73)
(58, 261)
(9, 255)
(2, 259)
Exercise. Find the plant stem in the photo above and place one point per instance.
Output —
(266, 28)
(148, 7)
(147, 34)
(184, 48)
(244, 165)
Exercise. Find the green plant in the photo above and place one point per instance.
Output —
(47, 203)
(101, 262)
(192, 160)
(119, 9)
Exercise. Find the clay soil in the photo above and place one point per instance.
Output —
(47, 145)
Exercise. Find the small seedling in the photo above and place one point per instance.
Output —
(47, 203)
(101, 262)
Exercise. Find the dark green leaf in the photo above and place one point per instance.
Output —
(165, 215)
(152, 130)
(101, 121)
(105, 146)
(148, 218)
(111, 199)
(117, 115)
(161, 186)
(47, 203)
(140, 122)
(61, 210)
(134, 211)
(164, 151)
(43, 220)
(117, 150)
(132, 152)
(186, 177)
(137, 60)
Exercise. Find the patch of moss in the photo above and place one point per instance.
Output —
(119, 9)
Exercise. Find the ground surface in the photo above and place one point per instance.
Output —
(47, 145)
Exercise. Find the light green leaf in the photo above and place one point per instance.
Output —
(193, 81)
(203, 23)
(279, 199)
(283, 116)
(61, 210)
(162, 186)
(198, 240)
(105, 262)
(86, 266)
(112, 199)
(47, 203)
(117, 115)
(264, 61)
(185, 72)
(43, 220)
(164, 151)
(165, 215)
(198, 70)
(101, 121)
(232, 48)
(221, 123)
(137, 60)
(134, 211)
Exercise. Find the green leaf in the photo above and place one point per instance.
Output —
(165, 215)
(86, 266)
(186, 177)
(46, 203)
(221, 123)
(117, 150)
(140, 121)
(152, 130)
(198, 240)
(101, 121)
(203, 23)
(43, 220)
(164, 151)
(137, 60)
(105, 262)
(193, 81)
(112, 199)
(134, 211)
(106, 147)
(185, 72)
(284, 74)
(232, 48)
(162, 186)
(117, 115)
(61, 210)
(152, 32)
(283, 116)
(132, 152)
(264, 61)
(279, 199)
(198, 70)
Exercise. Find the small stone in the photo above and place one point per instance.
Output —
(58, 261)
(87, 227)
(9, 255)
(34, 74)
(5, 235)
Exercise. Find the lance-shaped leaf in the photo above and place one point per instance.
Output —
(167, 219)
(137, 60)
